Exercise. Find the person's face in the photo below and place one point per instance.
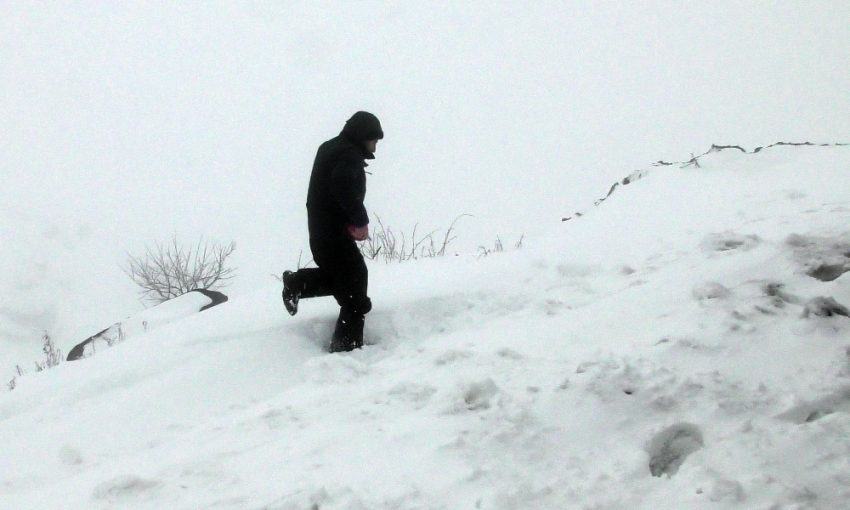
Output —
(371, 145)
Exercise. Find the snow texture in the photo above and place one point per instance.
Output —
(653, 353)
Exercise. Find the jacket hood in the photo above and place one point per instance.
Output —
(362, 126)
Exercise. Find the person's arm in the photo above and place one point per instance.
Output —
(348, 188)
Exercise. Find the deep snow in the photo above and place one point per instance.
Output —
(662, 331)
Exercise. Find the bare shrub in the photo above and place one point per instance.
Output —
(170, 270)
(384, 244)
(498, 247)
(52, 354)
(112, 340)
(19, 372)
(53, 357)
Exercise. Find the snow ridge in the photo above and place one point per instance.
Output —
(694, 161)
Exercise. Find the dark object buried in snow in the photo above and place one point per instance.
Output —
(174, 309)
(828, 272)
(825, 307)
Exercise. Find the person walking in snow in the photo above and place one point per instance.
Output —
(336, 218)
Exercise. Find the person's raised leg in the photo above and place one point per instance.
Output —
(305, 283)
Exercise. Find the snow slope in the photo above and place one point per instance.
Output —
(664, 332)
(122, 124)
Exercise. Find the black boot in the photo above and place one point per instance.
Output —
(291, 292)
(348, 334)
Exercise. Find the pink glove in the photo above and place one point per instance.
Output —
(359, 233)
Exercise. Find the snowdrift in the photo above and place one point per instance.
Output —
(674, 347)
(174, 309)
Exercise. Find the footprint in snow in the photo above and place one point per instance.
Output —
(70, 456)
(807, 412)
(729, 241)
(710, 290)
(824, 307)
(127, 488)
(824, 258)
(669, 448)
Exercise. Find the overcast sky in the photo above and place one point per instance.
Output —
(124, 123)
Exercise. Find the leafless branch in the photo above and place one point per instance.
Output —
(166, 271)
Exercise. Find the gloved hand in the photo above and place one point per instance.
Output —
(359, 233)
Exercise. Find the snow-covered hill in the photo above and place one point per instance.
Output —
(673, 330)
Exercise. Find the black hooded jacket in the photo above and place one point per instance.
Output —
(338, 181)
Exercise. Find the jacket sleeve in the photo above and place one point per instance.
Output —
(348, 186)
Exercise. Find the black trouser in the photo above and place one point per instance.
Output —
(342, 273)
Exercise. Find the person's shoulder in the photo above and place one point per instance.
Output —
(344, 150)
(348, 151)
(331, 145)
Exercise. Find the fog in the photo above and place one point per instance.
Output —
(122, 124)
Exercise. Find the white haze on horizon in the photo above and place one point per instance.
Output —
(123, 124)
